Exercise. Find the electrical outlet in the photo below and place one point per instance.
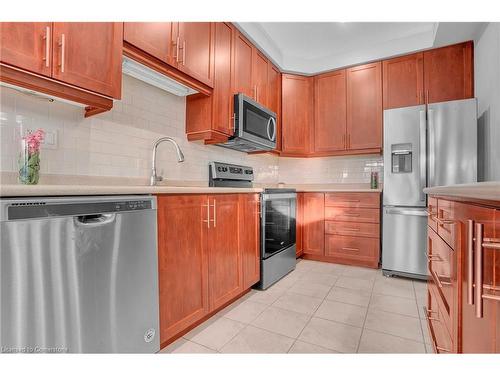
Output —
(50, 140)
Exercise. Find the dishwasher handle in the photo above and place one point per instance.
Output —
(94, 220)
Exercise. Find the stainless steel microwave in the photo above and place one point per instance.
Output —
(254, 126)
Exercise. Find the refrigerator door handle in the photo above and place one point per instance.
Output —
(432, 160)
(402, 211)
(423, 155)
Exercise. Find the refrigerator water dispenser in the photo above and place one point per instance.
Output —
(401, 158)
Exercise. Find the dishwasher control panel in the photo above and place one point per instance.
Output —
(31, 209)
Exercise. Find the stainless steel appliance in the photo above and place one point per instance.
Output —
(278, 215)
(278, 248)
(424, 146)
(79, 275)
(254, 126)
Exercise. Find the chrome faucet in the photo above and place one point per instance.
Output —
(180, 158)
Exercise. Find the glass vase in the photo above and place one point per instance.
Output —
(29, 165)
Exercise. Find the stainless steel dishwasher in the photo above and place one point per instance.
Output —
(79, 274)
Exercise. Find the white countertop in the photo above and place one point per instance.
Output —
(480, 190)
(18, 190)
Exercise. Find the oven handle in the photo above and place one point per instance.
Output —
(266, 196)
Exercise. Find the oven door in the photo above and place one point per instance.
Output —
(278, 222)
(254, 122)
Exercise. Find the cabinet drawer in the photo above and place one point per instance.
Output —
(432, 210)
(360, 200)
(442, 270)
(440, 336)
(352, 247)
(360, 215)
(352, 229)
(446, 224)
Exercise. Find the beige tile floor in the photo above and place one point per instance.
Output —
(319, 308)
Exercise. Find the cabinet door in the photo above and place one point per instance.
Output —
(259, 77)
(224, 259)
(314, 223)
(89, 55)
(478, 334)
(274, 98)
(296, 114)
(249, 237)
(330, 112)
(242, 65)
(27, 45)
(183, 262)
(196, 50)
(448, 73)
(403, 81)
(222, 98)
(154, 38)
(364, 107)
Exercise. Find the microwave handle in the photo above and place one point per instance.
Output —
(271, 138)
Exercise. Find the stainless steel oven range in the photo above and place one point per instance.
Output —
(278, 215)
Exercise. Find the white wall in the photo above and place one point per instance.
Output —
(118, 142)
(487, 90)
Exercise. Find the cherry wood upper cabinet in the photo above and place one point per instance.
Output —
(448, 73)
(211, 117)
(403, 81)
(224, 264)
(242, 65)
(313, 229)
(182, 262)
(27, 45)
(249, 223)
(274, 98)
(296, 114)
(259, 77)
(364, 107)
(89, 55)
(222, 94)
(153, 38)
(330, 112)
(193, 45)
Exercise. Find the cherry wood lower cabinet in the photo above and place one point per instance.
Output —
(464, 263)
(313, 230)
(340, 227)
(208, 255)
(182, 262)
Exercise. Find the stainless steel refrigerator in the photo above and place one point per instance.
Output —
(424, 146)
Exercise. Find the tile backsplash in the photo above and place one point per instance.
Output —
(118, 143)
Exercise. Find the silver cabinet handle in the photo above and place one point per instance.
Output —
(470, 262)
(183, 53)
(423, 151)
(215, 214)
(208, 213)
(46, 37)
(62, 44)
(177, 41)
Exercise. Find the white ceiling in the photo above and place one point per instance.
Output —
(313, 47)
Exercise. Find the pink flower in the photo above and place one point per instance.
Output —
(33, 140)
